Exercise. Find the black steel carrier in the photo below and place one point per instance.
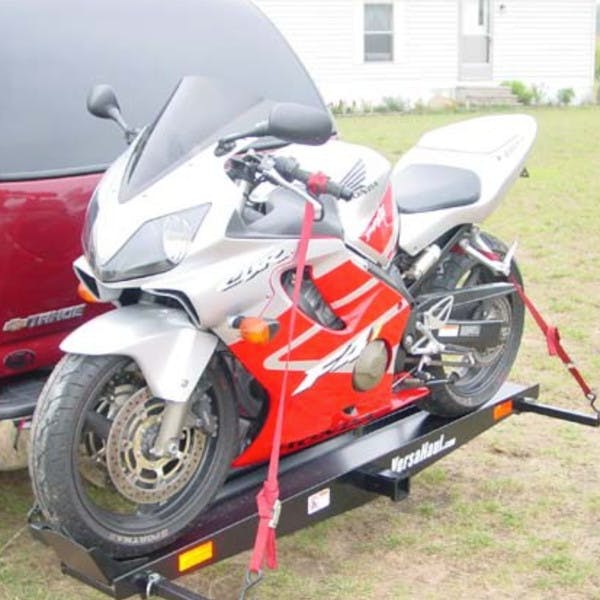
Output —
(316, 484)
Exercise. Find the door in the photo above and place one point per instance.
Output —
(475, 40)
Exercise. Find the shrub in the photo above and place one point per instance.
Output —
(566, 96)
(539, 94)
(394, 104)
(366, 107)
(381, 109)
(337, 108)
(523, 93)
(420, 107)
(598, 58)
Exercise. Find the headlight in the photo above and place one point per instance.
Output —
(157, 246)
(177, 237)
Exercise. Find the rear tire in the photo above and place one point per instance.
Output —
(74, 490)
(477, 385)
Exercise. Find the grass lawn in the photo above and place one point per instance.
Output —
(514, 514)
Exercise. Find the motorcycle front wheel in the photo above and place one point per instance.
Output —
(94, 474)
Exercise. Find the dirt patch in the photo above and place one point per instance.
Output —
(13, 447)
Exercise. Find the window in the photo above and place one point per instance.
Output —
(379, 32)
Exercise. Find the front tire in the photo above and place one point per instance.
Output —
(477, 385)
(71, 445)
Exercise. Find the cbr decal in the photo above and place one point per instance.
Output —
(251, 271)
(52, 316)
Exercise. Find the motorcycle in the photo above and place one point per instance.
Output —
(193, 235)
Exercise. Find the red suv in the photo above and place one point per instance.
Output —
(52, 153)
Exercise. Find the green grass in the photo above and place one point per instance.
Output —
(515, 513)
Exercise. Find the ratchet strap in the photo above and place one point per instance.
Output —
(555, 347)
(267, 500)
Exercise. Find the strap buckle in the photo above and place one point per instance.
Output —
(276, 514)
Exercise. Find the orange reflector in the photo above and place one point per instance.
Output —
(85, 294)
(503, 410)
(196, 556)
(255, 330)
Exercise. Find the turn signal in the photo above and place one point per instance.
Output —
(85, 294)
(256, 330)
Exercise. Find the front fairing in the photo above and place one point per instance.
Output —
(200, 183)
(243, 66)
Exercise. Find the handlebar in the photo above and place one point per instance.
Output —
(316, 183)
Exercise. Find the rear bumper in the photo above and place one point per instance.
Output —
(18, 395)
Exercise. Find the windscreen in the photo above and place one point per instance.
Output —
(200, 111)
(52, 53)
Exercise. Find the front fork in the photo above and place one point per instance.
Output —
(171, 426)
(195, 412)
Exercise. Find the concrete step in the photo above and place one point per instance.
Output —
(485, 91)
(486, 96)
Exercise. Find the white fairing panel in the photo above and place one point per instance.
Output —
(495, 148)
(171, 353)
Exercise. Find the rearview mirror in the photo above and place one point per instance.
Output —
(299, 124)
(289, 122)
(102, 103)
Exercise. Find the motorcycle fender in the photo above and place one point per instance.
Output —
(171, 353)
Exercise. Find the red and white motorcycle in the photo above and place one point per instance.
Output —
(194, 233)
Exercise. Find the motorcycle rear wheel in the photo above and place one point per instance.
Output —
(114, 494)
(477, 385)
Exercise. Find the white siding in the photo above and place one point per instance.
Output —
(328, 37)
(548, 42)
(433, 39)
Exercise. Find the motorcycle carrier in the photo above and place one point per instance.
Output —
(316, 484)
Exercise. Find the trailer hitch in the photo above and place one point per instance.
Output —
(523, 405)
(154, 585)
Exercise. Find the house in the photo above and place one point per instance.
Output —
(413, 50)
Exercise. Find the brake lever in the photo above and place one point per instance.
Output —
(267, 168)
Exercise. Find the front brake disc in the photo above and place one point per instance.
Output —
(135, 472)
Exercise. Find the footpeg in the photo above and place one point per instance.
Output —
(434, 318)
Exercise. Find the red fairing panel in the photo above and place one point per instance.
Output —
(329, 404)
(381, 228)
(40, 231)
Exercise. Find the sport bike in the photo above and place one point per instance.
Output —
(193, 234)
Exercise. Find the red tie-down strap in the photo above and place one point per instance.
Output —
(555, 347)
(552, 335)
(265, 548)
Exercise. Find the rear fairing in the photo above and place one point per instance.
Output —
(494, 148)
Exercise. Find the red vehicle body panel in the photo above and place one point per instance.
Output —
(40, 232)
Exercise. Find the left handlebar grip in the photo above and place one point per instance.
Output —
(319, 183)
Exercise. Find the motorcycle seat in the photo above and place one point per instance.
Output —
(423, 188)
